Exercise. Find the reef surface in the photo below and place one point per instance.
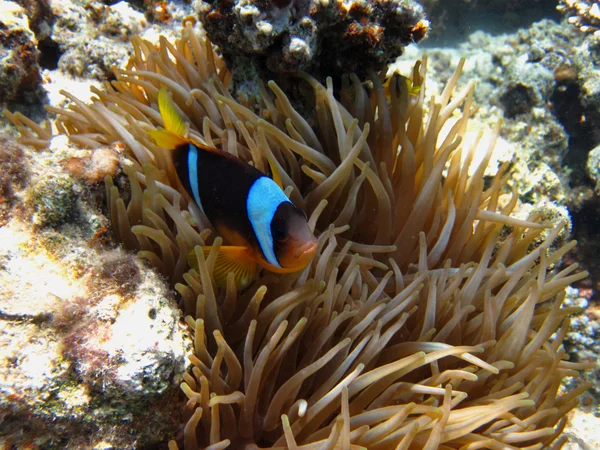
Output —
(92, 337)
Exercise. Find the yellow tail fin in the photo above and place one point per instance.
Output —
(174, 133)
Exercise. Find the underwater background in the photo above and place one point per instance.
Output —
(93, 343)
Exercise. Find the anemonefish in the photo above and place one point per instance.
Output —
(412, 88)
(250, 211)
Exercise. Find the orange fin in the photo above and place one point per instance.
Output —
(236, 259)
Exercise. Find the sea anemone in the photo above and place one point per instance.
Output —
(430, 317)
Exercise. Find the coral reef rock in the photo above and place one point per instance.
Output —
(586, 62)
(530, 85)
(92, 344)
(19, 68)
(86, 38)
(582, 342)
(93, 37)
(593, 166)
(40, 16)
(583, 431)
(584, 14)
(321, 37)
(454, 20)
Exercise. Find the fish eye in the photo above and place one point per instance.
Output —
(279, 234)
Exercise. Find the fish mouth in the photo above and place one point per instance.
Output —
(307, 249)
(298, 255)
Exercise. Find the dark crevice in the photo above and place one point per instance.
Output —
(518, 99)
(50, 53)
(586, 222)
(569, 111)
(579, 125)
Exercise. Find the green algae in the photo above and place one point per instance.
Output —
(54, 201)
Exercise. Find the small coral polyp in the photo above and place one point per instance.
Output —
(430, 317)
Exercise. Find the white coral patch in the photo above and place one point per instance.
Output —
(146, 339)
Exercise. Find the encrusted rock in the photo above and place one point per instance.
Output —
(92, 339)
(321, 37)
(456, 19)
(583, 430)
(12, 177)
(584, 14)
(583, 342)
(19, 68)
(93, 37)
(40, 16)
(86, 38)
(530, 84)
(593, 166)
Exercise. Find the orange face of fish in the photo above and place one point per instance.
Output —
(294, 244)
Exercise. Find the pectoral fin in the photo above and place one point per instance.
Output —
(236, 259)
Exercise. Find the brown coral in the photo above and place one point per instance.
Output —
(323, 38)
(430, 318)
